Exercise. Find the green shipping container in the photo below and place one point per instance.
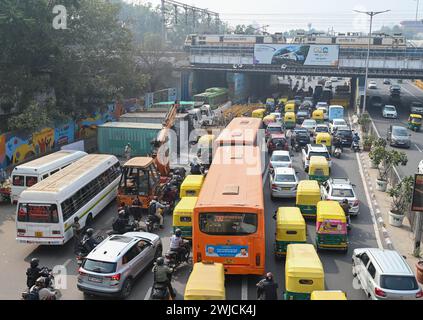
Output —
(112, 137)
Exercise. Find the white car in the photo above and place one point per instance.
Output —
(322, 104)
(311, 150)
(372, 85)
(337, 123)
(338, 189)
(280, 159)
(389, 112)
(384, 275)
(277, 115)
(283, 183)
(334, 79)
(310, 125)
(420, 167)
(328, 84)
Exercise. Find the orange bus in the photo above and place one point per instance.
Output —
(228, 220)
(241, 131)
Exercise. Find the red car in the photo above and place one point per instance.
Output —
(273, 128)
(277, 142)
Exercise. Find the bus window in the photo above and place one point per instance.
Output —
(228, 223)
(46, 213)
(31, 180)
(18, 181)
(45, 176)
(54, 171)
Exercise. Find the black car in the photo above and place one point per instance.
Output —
(346, 137)
(302, 136)
(302, 114)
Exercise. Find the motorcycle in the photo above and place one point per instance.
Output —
(82, 251)
(49, 283)
(355, 146)
(152, 223)
(337, 152)
(174, 260)
(160, 291)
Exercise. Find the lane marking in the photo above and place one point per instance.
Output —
(420, 150)
(244, 288)
(147, 295)
(406, 90)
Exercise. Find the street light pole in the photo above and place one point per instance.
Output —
(371, 14)
(417, 10)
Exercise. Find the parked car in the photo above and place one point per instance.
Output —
(389, 112)
(386, 81)
(416, 107)
(273, 128)
(280, 159)
(283, 183)
(372, 85)
(112, 267)
(338, 189)
(384, 275)
(398, 136)
(315, 150)
(337, 123)
(345, 134)
(277, 141)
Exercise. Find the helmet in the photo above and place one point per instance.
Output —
(89, 232)
(160, 261)
(76, 219)
(34, 262)
(269, 275)
(40, 281)
(178, 232)
(121, 212)
(345, 201)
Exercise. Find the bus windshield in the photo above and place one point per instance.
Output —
(228, 223)
(38, 213)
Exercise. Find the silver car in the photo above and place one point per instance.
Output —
(111, 268)
(283, 183)
(398, 136)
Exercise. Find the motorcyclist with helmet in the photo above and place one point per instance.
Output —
(177, 244)
(88, 240)
(121, 224)
(33, 272)
(40, 290)
(163, 275)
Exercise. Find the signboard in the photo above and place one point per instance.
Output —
(417, 203)
(233, 251)
(296, 54)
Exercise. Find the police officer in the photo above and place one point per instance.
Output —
(163, 275)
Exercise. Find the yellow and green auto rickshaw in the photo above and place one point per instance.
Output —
(328, 295)
(331, 226)
(415, 122)
(290, 120)
(318, 115)
(182, 216)
(282, 100)
(318, 169)
(325, 139)
(290, 107)
(258, 113)
(191, 186)
(269, 119)
(308, 195)
(303, 272)
(206, 282)
(290, 228)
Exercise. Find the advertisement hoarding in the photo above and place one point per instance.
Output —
(296, 54)
(417, 203)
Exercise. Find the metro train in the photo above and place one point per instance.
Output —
(233, 40)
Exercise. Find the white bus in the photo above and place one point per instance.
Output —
(30, 173)
(46, 211)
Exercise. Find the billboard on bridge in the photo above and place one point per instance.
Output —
(296, 54)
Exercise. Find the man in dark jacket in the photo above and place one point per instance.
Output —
(267, 288)
(33, 272)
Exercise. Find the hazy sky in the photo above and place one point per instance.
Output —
(282, 15)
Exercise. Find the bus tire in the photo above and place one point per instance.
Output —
(89, 221)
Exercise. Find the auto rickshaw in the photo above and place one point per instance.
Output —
(290, 107)
(303, 272)
(269, 119)
(206, 282)
(331, 226)
(318, 169)
(308, 195)
(290, 228)
(325, 139)
(290, 120)
(191, 186)
(319, 116)
(328, 295)
(283, 100)
(258, 113)
(414, 122)
(182, 216)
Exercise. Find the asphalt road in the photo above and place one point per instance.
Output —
(409, 93)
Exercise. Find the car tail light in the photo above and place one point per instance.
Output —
(356, 203)
(116, 277)
(380, 292)
(81, 273)
(270, 165)
(419, 294)
(274, 186)
(258, 259)
(21, 231)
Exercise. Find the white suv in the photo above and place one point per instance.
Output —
(384, 275)
(311, 150)
(338, 189)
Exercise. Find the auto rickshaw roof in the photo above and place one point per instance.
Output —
(308, 187)
(330, 210)
(139, 162)
(260, 110)
(302, 261)
(193, 180)
(328, 295)
(418, 116)
(269, 117)
(318, 161)
(323, 135)
(290, 216)
(290, 114)
(186, 204)
(206, 279)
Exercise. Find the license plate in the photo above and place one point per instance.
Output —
(38, 234)
(95, 279)
(286, 189)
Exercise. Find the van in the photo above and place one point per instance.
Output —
(384, 275)
(336, 112)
